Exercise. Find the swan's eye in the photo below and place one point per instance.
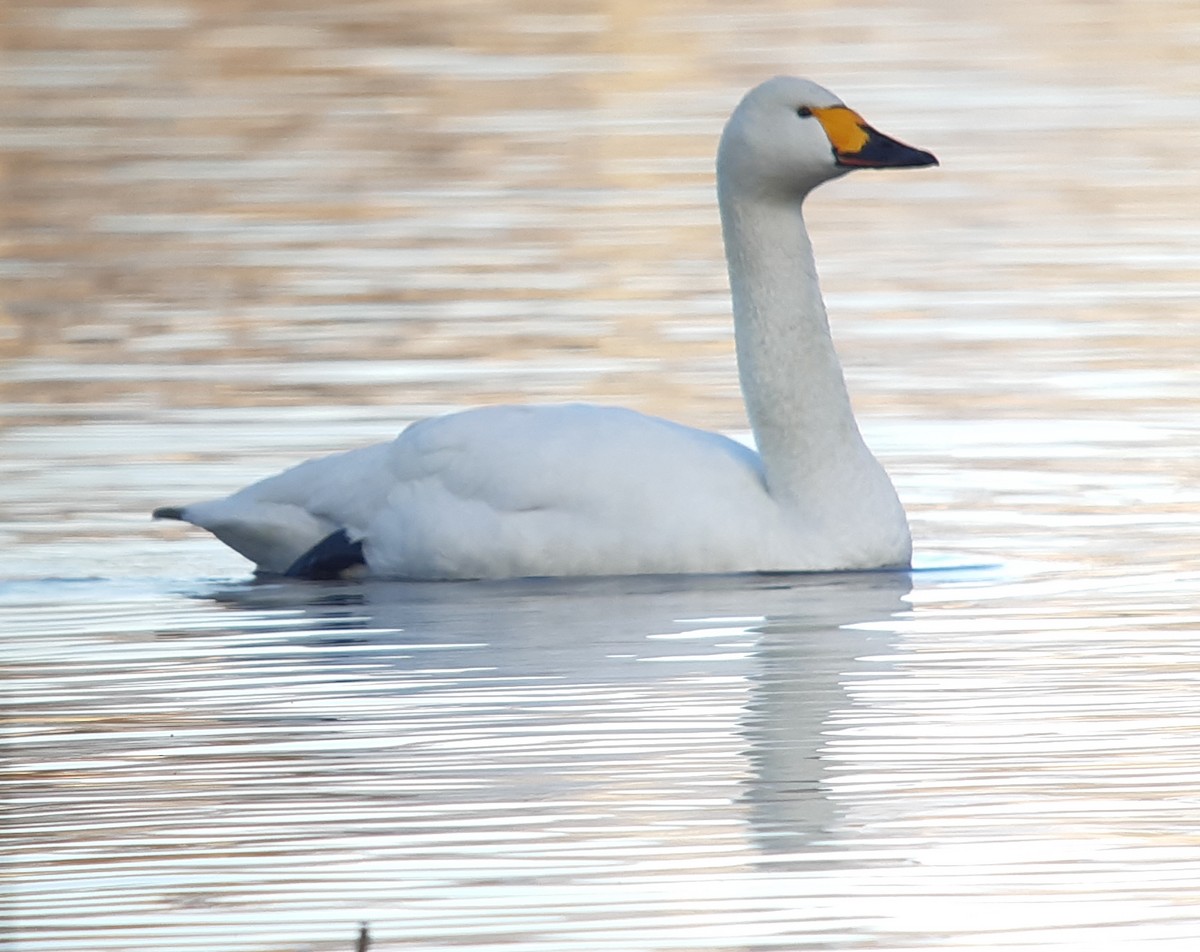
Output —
(804, 112)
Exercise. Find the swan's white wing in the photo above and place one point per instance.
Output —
(564, 490)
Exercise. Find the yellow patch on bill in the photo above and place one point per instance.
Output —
(846, 129)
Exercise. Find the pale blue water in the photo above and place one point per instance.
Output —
(951, 758)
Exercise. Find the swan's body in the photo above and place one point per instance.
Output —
(515, 491)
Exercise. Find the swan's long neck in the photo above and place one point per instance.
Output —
(791, 378)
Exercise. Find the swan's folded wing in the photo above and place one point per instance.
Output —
(569, 456)
(558, 490)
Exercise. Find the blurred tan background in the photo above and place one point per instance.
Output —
(212, 203)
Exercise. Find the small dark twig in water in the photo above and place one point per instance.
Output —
(364, 938)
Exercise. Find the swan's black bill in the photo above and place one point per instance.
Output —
(883, 152)
(857, 146)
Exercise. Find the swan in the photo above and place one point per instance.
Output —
(576, 490)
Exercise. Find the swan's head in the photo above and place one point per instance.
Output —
(789, 135)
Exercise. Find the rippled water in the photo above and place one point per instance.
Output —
(237, 238)
(953, 758)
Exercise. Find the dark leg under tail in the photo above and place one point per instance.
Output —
(328, 559)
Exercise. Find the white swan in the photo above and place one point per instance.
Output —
(510, 491)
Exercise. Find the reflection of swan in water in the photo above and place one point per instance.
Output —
(760, 661)
(803, 673)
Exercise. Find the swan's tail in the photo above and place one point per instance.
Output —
(274, 536)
